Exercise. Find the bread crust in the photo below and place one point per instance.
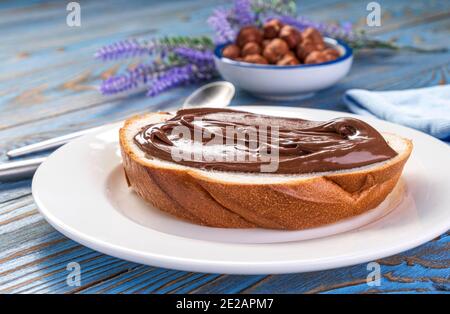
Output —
(190, 194)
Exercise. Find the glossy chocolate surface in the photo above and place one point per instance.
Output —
(231, 140)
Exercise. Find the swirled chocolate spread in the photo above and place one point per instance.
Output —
(231, 140)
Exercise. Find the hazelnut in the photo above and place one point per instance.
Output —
(332, 53)
(288, 59)
(290, 53)
(291, 36)
(272, 28)
(231, 51)
(320, 46)
(251, 49)
(249, 34)
(264, 43)
(313, 35)
(305, 48)
(316, 57)
(275, 50)
(255, 59)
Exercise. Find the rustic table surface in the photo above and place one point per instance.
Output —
(48, 87)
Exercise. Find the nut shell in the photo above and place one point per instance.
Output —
(249, 34)
(305, 48)
(264, 43)
(275, 50)
(272, 28)
(314, 35)
(317, 57)
(288, 59)
(279, 44)
(332, 53)
(291, 36)
(258, 59)
(231, 51)
(251, 48)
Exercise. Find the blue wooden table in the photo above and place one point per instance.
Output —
(48, 87)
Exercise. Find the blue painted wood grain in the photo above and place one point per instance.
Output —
(48, 87)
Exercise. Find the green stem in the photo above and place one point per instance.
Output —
(374, 44)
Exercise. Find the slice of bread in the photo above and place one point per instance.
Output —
(249, 200)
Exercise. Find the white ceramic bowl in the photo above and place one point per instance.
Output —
(285, 82)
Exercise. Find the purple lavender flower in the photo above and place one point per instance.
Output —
(331, 30)
(347, 26)
(132, 79)
(299, 22)
(124, 49)
(158, 46)
(195, 56)
(179, 76)
(173, 77)
(205, 71)
(243, 13)
(221, 25)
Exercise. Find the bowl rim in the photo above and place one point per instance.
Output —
(348, 52)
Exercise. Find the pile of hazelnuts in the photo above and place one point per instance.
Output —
(279, 44)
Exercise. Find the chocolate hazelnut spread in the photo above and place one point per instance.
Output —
(301, 146)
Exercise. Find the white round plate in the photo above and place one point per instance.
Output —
(81, 192)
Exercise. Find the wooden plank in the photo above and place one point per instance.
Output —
(424, 269)
(14, 190)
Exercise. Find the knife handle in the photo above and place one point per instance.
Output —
(21, 169)
(47, 144)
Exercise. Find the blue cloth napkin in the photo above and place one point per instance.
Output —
(425, 109)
